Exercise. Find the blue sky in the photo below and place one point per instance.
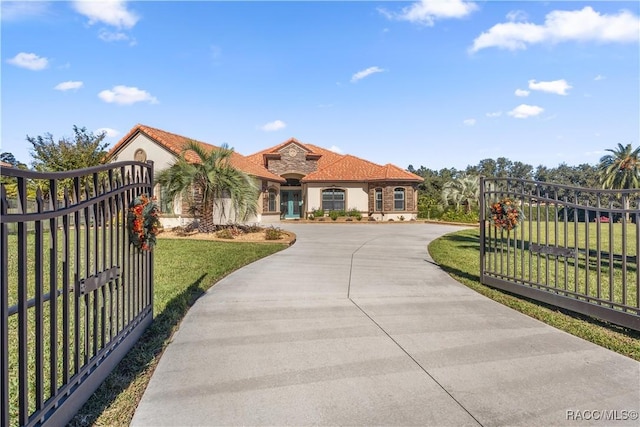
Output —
(441, 83)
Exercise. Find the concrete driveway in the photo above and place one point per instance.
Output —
(354, 325)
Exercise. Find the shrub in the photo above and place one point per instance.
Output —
(317, 213)
(224, 234)
(354, 213)
(460, 215)
(273, 233)
(334, 215)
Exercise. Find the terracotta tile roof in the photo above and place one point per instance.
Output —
(351, 168)
(5, 164)
(175, 143)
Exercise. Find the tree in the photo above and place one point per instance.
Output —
(464, 190)
(214, 178)
(8, 158)
(84, 150)
(620, 170)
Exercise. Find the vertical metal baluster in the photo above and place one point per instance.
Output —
(53, 290)
(625, 201)
(566, 240)
(39, 303)
(87, 273)
(103, 250)
(598, 249)
(481, 210)
(587, 245)
(23, 296)
(77, 269)
(4, 310)
(65, 291)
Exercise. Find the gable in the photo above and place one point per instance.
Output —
(164, 147)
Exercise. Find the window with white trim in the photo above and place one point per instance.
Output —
(273, 198)
(398, 199)
(378, 198)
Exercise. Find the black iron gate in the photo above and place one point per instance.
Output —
(75, 294)
(574, 248)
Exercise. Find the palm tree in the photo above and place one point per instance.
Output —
(463, 190)
(620, 170)
(215, 180)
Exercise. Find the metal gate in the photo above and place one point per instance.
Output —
(574, 248)
(75, 294)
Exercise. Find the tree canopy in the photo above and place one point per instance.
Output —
(620, 170)
(83, 150)
(213, 178)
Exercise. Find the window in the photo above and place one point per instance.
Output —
(398, 199)
(378, 200)
(273, 197)
(333, 200)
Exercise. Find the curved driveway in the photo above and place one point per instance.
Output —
(354, 325)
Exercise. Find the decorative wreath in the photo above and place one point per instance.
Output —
(506, 214)
(143, 222)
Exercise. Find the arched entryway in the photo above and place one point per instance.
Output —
(291, 197)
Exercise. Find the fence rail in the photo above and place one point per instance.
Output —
(75, 295)
(574, 248)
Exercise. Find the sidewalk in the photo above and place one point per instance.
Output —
(354, 325)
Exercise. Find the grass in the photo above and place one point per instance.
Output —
(458, 254)
(604, 269)
(184, 270)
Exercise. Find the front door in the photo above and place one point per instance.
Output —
(291, 202)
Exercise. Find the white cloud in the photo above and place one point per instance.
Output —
(559, 87)
(17, 10)
(109, 133)
(70, 85)
(30, 61)
(517, 15)
(109, 36)
(469, 122)
(426, 12)
(599, 77)
(112, 12)
(494, 114)
(561, 26)
(126, 95)
(522, 92)
(336, 149)
(364, 73)
(274, 125)
(523, 111)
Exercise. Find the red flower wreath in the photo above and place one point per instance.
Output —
(506, 214)
(142, 222)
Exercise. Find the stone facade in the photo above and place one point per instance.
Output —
(293, 159)
(388, 188)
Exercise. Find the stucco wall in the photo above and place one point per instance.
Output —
(161, 157)
(356, 195)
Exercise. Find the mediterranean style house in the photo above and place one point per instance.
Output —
(294, 179)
